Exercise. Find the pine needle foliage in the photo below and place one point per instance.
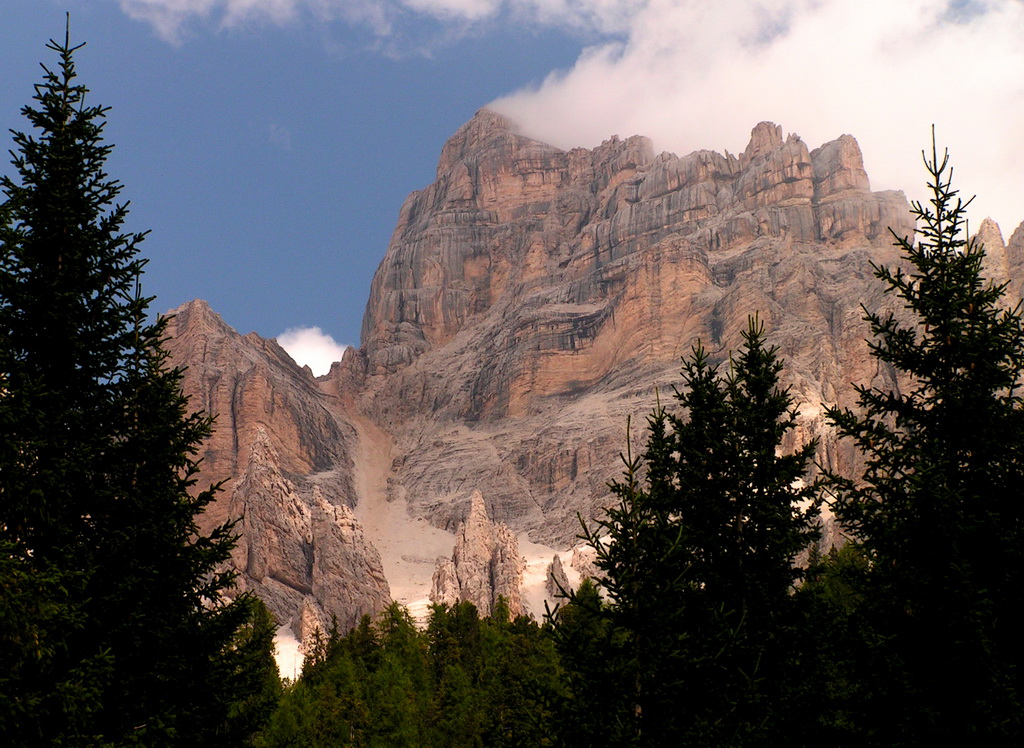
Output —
(697, 554)
(463, 681)
(116, 626)
(938, 508)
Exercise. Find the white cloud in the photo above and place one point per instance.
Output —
(700, 73)
(463, 9)
(693, 74)
(312, 347)
(168, 16)
(171, 18)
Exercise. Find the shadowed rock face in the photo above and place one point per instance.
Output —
(533, 299)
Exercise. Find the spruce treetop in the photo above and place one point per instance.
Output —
(120, 627)
(938, 507)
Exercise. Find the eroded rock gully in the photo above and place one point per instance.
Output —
(530, 300)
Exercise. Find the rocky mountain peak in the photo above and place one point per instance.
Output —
(531, 300)
(839, 166)
(533, 243)
(477, 520)
(1017, 237)
(997, 262)
(197, 317)
(764, 138)
(486, 131)
(251, 383)
(990, 234)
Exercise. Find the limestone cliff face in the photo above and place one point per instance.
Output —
(996, 266)
(547, 243)
(305, 557)
(1015, 262)
(485, 564)
(530, 301)
(284, 451)
(248, 383)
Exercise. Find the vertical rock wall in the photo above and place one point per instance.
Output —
(530, 302)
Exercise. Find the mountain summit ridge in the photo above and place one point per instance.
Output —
(532, 299)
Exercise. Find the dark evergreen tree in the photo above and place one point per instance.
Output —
(254, 679)
(938, 508)
(522, 681)
(120, 632)
(401, 686)
(598, 707)
(698, 553)
(826, 679)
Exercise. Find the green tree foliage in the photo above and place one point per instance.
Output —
(116, 626)
(826, 681)
(938, 508)
(464, 681)
(598, 704)
(698, 555)
(251, 677)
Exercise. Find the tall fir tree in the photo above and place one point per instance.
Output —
(698, 555)
(939, 505)
(119, 631)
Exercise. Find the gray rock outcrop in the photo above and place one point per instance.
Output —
(996, 266)
(305, 557)
(485, 564)
(557, 582)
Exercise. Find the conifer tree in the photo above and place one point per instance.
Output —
(598, 708)
(698, 553)
(118, 631)
(938, 508)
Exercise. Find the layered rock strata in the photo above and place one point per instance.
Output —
(305, 557)
(283, 451)
(532, 299)
(247, 382)
(530, 302)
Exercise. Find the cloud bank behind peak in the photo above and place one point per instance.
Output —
(693, 75)
(696, 74)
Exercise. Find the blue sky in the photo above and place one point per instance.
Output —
(270, 163)
(269, 144)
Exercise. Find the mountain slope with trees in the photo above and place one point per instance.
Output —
(701, 629)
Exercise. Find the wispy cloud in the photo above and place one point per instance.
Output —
(312, 347)
(280, 136)
(172, 18)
